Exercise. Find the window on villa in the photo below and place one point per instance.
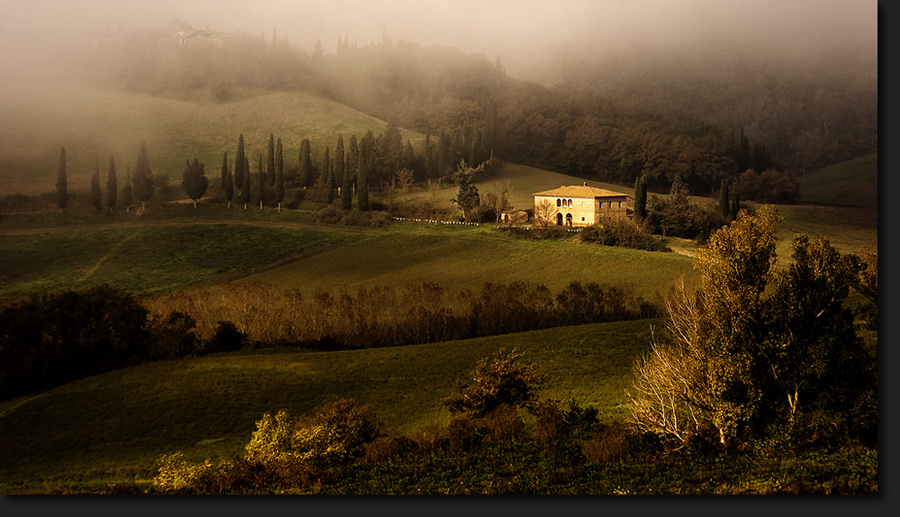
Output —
(558, 202)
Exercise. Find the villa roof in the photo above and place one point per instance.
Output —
(583, 191)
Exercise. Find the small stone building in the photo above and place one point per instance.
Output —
(582, 206)
(514, 217)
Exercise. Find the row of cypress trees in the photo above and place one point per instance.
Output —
(139, 185)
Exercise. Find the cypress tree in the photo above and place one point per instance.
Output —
(262, 182)
(270, 169)
(239, 164)
(339, 163)
(96, 195)
(329, 177)
(429, 161)
(640, 198)
(724, 207)
(306, 178)
(227, 181)
(362, 178)
(126, 190)
(279, 174)
(351, 173)
(245, 182)
(112, 186)
(142, 180)
(62, 181)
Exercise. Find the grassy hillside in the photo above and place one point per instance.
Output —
(850, 183)
(208, 406)
(464, 257)
(96, 124)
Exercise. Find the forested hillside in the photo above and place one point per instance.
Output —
(704, 120)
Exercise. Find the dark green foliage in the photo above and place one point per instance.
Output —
(279, 173)
(112, 186)
(500, 380)
(193, 179)
(171, 337)
(96, 194)
(675, 216)
(768, 186)
(329, 176)
(349, 173)
(239, 163)
(142, 179)
(227, 181)
(127, 198)
(724, 204)
(245, 182)
(467, 198)
(48, 340)
(305, 178)
(640, 199)
(365, 162)
(226, 339)
(622, 234)
(62, 185)
(270, 163)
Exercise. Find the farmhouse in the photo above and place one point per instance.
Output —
(581, 206)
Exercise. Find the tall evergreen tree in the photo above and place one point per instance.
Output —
(96, 194)
(227, 181)
(112, 185)
(270, 169)
(245, 182)
(62, 181)
(724, 205)
(262, 181)
(329, 177)
(127, 197)
(142, 180)
(338, 162)
(363, 170)
(429, 159)
(467, 197)
(239, 164)
(194, 181)
(279, 174)
(640, 198)
(306, 171)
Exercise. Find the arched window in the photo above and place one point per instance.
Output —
(558, 202)
(568, 219)
(559, 219)
(570, 203)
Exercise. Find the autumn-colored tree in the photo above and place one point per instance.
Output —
(500, 379)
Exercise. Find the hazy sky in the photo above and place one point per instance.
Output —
(525, 34)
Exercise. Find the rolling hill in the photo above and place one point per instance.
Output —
(93, 124)
(850, 183)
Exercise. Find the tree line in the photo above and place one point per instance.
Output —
(49, 339)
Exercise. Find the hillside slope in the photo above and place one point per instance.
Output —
(207, 406)
(850, 183)
(98, 124)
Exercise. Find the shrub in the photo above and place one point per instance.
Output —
(502, 424)
(500, 380)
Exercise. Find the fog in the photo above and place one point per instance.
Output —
(531, 37)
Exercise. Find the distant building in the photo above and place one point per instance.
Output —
(514, 217)
(582, 206)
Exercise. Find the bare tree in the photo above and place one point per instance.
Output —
(544, 213)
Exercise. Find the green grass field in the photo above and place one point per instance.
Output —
(850, 183)
(95, 124)
(207, 407)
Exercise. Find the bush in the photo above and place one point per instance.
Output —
(500, 380)
(622, 234)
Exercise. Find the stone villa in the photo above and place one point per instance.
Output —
(582, 206)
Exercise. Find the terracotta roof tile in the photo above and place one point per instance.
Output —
(580, 191)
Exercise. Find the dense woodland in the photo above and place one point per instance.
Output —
(612, 121)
